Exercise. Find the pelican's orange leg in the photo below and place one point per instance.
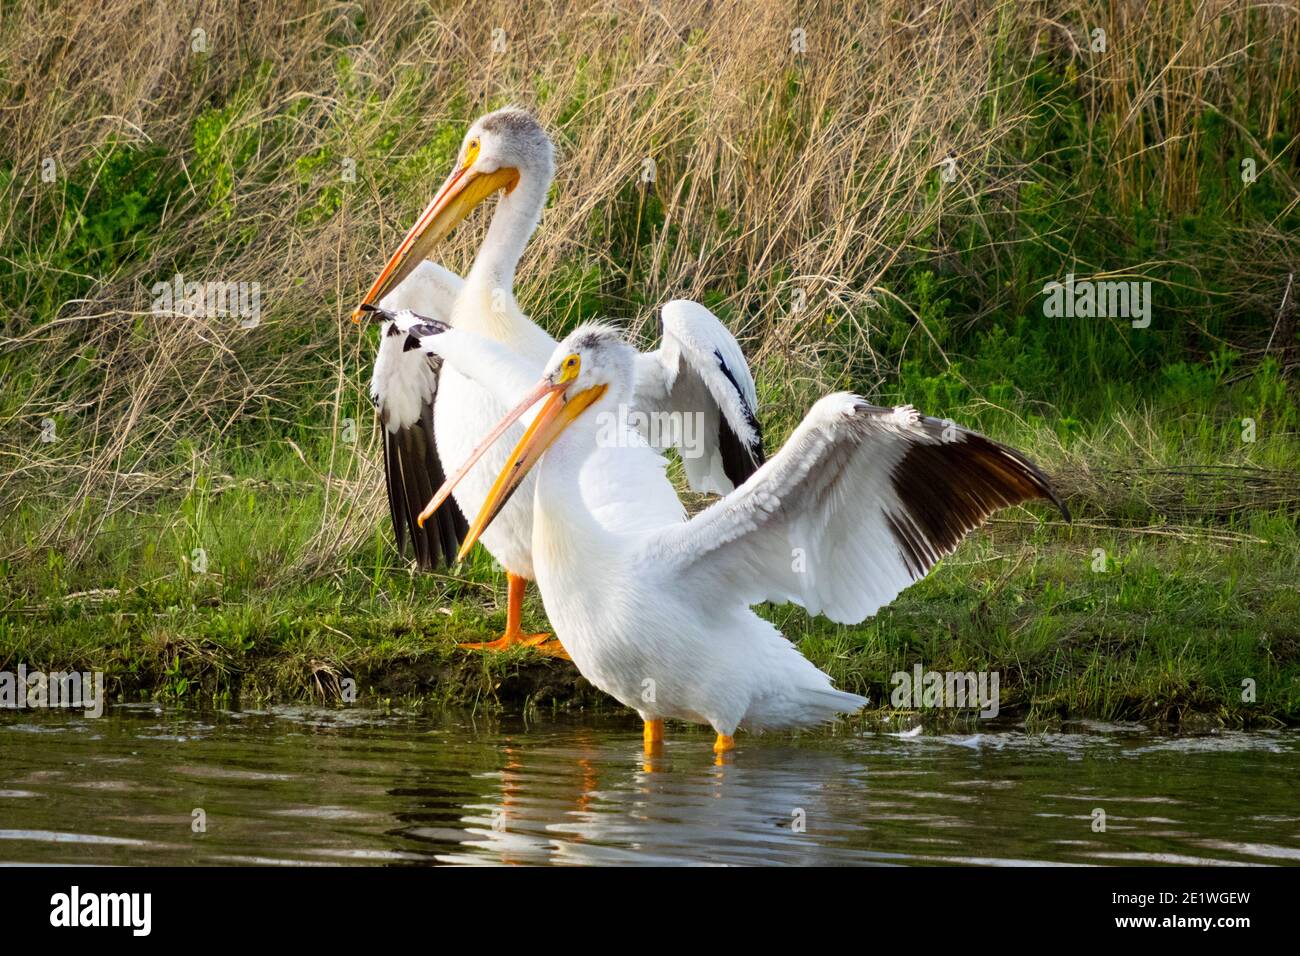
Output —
(653, 737)
(724, 744)
(514, 635)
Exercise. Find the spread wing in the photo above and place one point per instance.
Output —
(403, 388)
(859, 503)
(700, 378)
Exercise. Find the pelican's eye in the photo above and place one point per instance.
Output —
(569, 368)
(471, 152)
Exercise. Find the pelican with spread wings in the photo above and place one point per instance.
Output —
(859, 503)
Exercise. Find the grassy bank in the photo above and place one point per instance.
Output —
(875, 203)
(1172, 627)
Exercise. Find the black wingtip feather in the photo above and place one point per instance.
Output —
(950, 487)
(448, 526)
(392, 479)
(739, 459)
(414, 474)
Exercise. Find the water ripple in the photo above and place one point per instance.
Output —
(328, 786)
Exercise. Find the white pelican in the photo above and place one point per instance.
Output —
(859, 503)
(698, 373)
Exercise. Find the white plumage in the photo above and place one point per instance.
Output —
(699, 371)
(404, 379)
(626, 488)
(858, 504)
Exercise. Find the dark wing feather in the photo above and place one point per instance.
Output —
(414, 475)
(393, 482)
(739, 459)
(413, 472)
(950, 486)
(448, 526)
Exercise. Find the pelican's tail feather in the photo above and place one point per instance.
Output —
(802, 707)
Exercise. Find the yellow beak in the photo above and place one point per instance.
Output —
(544, 388)
(463, 191)
(556, 415)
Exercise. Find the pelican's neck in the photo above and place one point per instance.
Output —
(513, 224)
(486, 303)
(563, 526)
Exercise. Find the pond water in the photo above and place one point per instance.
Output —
(297, 785)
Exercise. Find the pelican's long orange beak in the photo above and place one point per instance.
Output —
(555, 416)
(464, 190)
(544, 388)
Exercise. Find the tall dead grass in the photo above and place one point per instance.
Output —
(789, 182)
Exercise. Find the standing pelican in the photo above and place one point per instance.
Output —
(858, 504)
(699, 373)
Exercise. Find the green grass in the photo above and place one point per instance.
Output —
(1171, 628)
(1180, 616)
(1177, 446)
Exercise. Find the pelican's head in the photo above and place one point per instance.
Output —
(511, 138)
(593, 356)
(593, 366)
(500, 150)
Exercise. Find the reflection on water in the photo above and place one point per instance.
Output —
(307, 785)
